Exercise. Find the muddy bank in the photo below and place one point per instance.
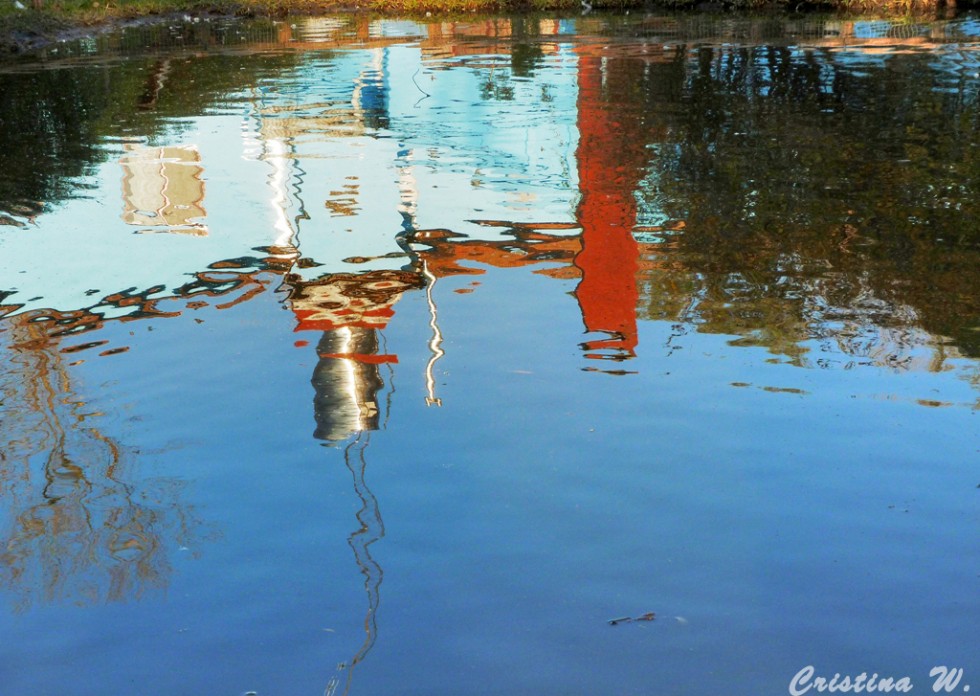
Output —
(31, 31)
(25, 31)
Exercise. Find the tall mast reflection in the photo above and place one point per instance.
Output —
(371, 530)
(349, 310)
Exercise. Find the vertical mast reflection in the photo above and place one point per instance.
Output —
(372, 528)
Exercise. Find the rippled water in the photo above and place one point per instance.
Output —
(376, 357)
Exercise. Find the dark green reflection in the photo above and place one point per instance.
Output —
(55, 123)
(814, 189)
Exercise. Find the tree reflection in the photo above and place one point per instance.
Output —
(81, 527)
(819, 201)
(795, 193)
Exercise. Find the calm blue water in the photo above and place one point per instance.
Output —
(375, 357)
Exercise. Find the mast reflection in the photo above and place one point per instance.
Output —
(371, 530)
(351, 311)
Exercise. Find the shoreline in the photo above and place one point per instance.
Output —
(23, 31)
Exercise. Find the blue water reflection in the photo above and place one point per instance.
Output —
(384, 357)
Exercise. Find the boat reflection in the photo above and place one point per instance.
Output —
(350, 311)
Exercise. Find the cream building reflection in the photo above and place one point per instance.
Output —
(163, 189)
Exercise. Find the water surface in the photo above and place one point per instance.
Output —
(379, 357)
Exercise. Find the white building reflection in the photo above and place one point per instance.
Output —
(163, 189)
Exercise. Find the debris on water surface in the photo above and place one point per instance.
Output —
(649, 616)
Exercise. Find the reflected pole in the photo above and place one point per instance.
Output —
(371, 529)
(435, 343)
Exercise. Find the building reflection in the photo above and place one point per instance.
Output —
(163, 189)
(612, 156)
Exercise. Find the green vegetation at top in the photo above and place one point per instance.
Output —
(45, 16)
(27, 23)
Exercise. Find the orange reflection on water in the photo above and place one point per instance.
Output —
(611, 160)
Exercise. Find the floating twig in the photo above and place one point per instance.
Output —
(649, 616)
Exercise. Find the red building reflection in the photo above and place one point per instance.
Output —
(611, 156)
